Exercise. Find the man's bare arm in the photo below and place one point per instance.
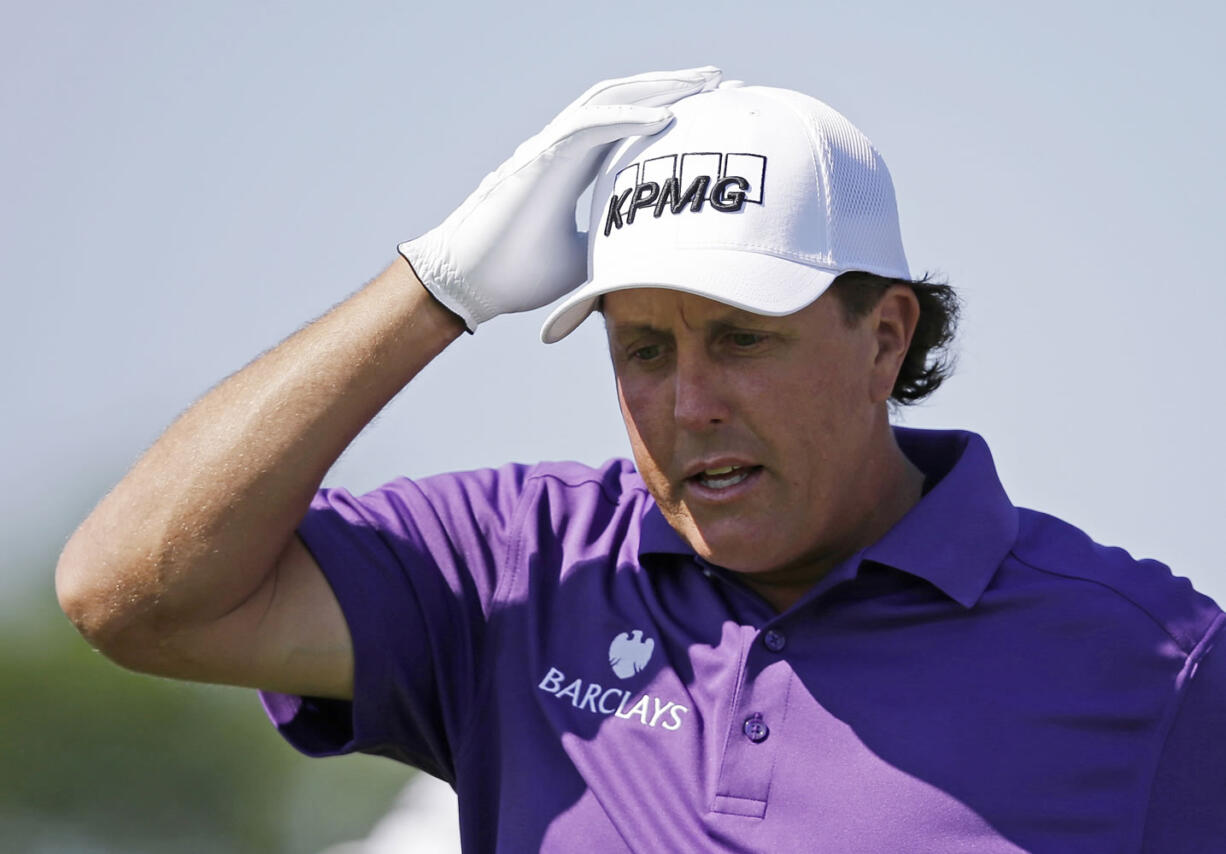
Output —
(190, 567)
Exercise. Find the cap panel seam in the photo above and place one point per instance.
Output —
(819, 159)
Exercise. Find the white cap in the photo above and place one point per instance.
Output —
(755, 197)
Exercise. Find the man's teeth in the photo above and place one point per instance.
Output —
(723, 476)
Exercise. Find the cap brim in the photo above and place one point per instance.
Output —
(752, 281)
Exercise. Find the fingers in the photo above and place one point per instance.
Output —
(625, 106)
(588, 127)
(652, 89)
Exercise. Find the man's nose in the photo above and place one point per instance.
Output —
(700, 399)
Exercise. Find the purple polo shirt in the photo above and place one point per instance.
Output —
(982, 679)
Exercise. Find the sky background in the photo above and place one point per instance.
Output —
(185, 184)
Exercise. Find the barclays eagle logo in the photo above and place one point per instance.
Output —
(629, 653)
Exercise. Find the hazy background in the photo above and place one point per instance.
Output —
(182, 185)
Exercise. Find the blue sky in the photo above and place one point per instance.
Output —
(185, 184)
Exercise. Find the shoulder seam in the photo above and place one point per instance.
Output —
(1165, 629)
(592, 479)
(511, 562)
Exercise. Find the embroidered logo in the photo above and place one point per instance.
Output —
(629, 653)
(676, 182)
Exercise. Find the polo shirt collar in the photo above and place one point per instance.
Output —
(963, 527)
(954, 538)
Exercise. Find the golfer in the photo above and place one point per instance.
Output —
(786, 625)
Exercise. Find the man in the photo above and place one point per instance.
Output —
(788, 626)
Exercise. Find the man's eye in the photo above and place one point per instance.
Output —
(646, 354)
(745, 339)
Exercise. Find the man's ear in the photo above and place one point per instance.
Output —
(893, 321)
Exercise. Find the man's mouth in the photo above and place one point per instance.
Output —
(723, 477)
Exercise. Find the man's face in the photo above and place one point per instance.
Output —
(759, 437)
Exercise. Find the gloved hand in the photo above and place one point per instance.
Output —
(513, 245)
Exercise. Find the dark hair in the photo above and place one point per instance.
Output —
(928, 361)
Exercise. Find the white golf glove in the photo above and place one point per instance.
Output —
(513, 245)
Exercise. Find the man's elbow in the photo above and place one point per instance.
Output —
(101, 602)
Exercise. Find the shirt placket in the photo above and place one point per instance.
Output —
(755, 728)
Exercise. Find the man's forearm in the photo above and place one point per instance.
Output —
(189, 568)
(199, 522)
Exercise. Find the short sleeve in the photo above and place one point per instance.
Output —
(1187, 811)
(415, 567)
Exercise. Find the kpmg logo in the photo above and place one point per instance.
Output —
(630, 654)
(677, 182)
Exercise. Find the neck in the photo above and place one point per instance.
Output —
(894, 485)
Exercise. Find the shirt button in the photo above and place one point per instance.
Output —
(774, 641)
(756, 729)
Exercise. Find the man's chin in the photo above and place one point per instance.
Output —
(737, 557)
(733, 543)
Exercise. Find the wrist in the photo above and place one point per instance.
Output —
(431, 266)
(425, 313)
